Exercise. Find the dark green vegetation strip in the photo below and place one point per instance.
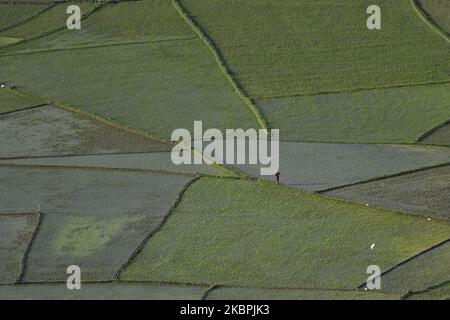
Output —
(257, 234)
(228, 293)
(23, 263)
(50, 131)
(93, 219)
(102, 291)
(437, 12)
(399, 115)
(428, 269)
(439, 292)
(16, 232)
(11, 100)
(314, 167)
(422, 192)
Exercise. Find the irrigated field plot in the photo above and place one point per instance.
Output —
(11, 15)
(15, 234)
(399, 115)
(314, 167)
(293, 294)
(438, 12)
(140, 161)
(52, 18)
(102, 291)
(441, 136)
(11, 100)
(93, 219)
(280, 48)
(425, 271)
(285, 49)
(257, 234)
(424, 192)
(50, 131)
(437, 293)
(146, 20)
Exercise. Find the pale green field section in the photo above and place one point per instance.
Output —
(427, 270)
(11, 15)
(15, 234)
(438, 11)
(159, 161)
(256, 234)
(156, 87)
(101, 291)
(54, 17)
(437, 293)
(91, 218)
(424, 193)
(280, 48)
(439, 137)
(130, 21)
(51, 131)
(319, 166)
(11, 100)
(295, 294)
(399, 115)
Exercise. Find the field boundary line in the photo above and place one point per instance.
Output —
(362, 286)
(56, 29)
(354, 90)
(23, 264)
(226, 70)
(17, 24)
(100, 45)
(401, 173)
(411, 293)
(156, 229)
(209, 290)
(430, 132)
(80, 155)
(23, 109)
(425, 17)
(80, 111)
(62, 167)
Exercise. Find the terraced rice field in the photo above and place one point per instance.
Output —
(91, 218)
(238, 233)
(425, 192)
(16, 234)
(87, 179)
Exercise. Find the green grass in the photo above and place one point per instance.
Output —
(15, 234)
(12, 14)
(292, 294)
(155, 87)
(254, 233)
(398, 115)
(424, 271)
(280, 48)
(11, 100)
(438, 11)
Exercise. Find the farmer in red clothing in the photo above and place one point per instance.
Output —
(277, 177)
